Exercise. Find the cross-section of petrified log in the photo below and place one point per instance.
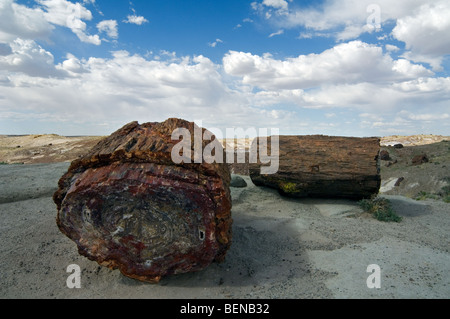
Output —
(323, 166)
(127, 205)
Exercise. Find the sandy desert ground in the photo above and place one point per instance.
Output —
(282, 248)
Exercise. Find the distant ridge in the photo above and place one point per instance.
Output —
(48, 148)
(413, 140)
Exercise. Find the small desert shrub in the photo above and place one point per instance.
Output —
(3, 163)
(424, 195)
(445, 193)
(445, 190)
(380, 208)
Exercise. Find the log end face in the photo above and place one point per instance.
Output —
(145, 225)
(128, 207)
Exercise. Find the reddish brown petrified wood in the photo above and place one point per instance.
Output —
(128, 206)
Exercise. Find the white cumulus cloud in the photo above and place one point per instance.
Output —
(27, 57)
(351, 62)
(423, 25)
(278, 4)
(426, 33)
(109, 27)
(19, 21)
(215, 43)
(71, 15)
(135, 19)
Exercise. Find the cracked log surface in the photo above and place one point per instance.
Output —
(128, 206)
(323, 166)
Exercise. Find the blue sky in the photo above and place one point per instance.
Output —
(334, 67)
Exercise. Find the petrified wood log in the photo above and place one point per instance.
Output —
(323, 166)
(128, 206)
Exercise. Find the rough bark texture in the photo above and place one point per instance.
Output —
(128, 206)
(324, 166)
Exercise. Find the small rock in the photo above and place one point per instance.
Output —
(384, 155)
(391, 163)
(399, 181)
(238, 182)
(420, 159)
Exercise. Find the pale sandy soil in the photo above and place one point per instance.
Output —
(50, 148)
(282, 248)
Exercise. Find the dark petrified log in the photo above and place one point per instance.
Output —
(323, 166)
(420, 159)
(127, 205)
(385, 156)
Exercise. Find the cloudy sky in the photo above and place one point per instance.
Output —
(335, 67)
